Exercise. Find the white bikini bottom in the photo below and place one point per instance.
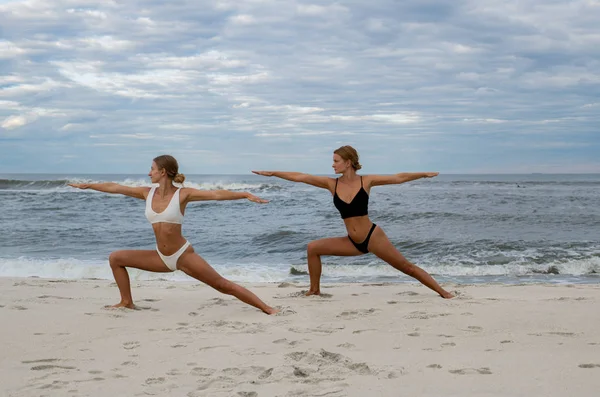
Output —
(171, 260)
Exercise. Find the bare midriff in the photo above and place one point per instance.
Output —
(358, 227)
(168, 237)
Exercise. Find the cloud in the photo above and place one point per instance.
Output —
(130, 79)
(17, 121)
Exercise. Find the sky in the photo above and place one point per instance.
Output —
(228, 86)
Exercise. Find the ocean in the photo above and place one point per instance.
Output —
(536, 228)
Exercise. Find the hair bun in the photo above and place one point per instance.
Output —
(179, 178)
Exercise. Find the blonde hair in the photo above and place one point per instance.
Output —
(349, 153)
(170, 165)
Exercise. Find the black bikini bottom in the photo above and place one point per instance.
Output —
(364, 246)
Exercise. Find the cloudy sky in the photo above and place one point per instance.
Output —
(477, 86)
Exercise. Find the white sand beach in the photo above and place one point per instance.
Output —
(356, 340)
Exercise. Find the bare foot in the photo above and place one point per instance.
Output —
(121, 304)
(313, 292)
(447, 295)
(271, 310)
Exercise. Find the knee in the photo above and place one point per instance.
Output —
(115, 259)
(312, 248)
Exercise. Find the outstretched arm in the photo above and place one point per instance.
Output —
(318, 181)
(204, 195)
(110, 187)
(377, 180)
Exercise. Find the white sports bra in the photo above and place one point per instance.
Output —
(171, 214)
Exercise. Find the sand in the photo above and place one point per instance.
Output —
(356, 340)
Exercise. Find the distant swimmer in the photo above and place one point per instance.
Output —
(165, 206)
(352, 202)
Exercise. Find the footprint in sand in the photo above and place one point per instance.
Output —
(471, 371)
(53, 297)
(214, 302)
(55, 385)
(49, 366)
(424, 315)
(266, 373)
(211, 347)
(407, 293)
(41, 360)
(302, 294)
(474, 328)
(19, 308)
(234, 327)
(354, 314)
(320, 330)
(129, 364)
(284, 341)
(284, 311)
(436, 366)
(112, 315)
(155, 381)
(360, 331)
(589, 365)
(414, 334)
(131, 345)
(561, 333)
(300, 373)
(181, 326)
(323, 364)
(506, 341)
(201, 371)
(347, 345)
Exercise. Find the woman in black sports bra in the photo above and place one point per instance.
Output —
(351, 198)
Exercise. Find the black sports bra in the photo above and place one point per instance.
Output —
(359, 206)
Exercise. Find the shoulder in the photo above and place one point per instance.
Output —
(184, 192)
(367, 179)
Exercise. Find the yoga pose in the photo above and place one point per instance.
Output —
(351, 198)
(165, 206)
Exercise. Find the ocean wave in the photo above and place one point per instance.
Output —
(17, 184)
(360, 270)
(63, 184)
(377, 268)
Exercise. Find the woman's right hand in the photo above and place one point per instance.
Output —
(263, 173)
(80, 185)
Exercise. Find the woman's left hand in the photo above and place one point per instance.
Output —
(256, 199)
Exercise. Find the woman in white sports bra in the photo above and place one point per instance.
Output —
(165, 206)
